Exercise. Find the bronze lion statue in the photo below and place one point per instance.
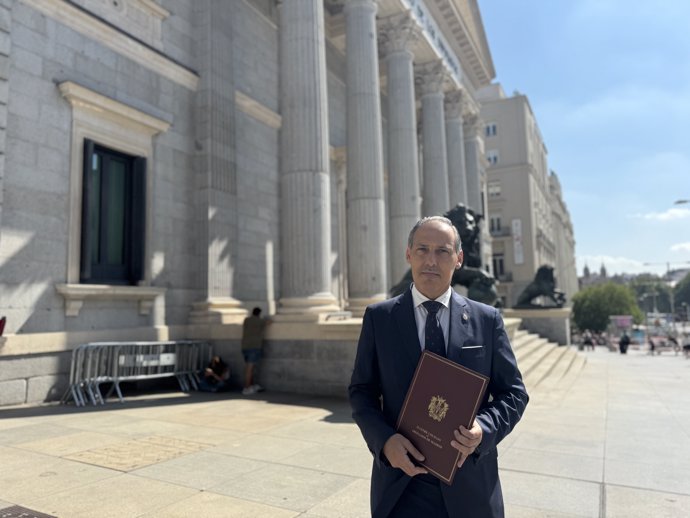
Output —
(543, 285)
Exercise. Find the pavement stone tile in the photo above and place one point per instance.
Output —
(212, 504)
(68, 444)
(286, 487)
(350, 502)
(627, 502)
(201, 470)
(323, 432)
(660, 477)
(31, 432)
(118, 497)
(552, 463)
(136, 453)
(344, 460)
(559, 439)
(518, 511)
(25, 474)
(551, 494)
(262, 447)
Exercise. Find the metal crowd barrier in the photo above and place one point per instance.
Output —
(114, 362)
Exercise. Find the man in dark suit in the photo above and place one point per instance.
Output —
(432, 315)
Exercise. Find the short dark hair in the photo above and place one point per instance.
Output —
(457, 244)
(256, 312)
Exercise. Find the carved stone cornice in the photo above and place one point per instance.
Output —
(397, 33)
(430, 78)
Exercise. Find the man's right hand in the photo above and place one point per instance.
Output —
(396, 451)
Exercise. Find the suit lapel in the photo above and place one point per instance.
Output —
(459, 326)
(403, 312)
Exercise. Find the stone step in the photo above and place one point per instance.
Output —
(573, 367)
(553, 360)
(534, 347)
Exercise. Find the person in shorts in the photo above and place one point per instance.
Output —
(253, 331)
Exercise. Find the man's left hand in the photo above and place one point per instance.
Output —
(466, 441)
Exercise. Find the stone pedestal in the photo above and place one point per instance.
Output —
(217, 311)
(550, 323)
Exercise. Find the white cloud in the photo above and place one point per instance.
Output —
(681, 247)
(668, 215)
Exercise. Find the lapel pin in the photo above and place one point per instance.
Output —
(464, 316)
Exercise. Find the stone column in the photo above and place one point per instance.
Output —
(215, 168)
(473, 157)
(430, 78)
(398, 34)
(305, 226)
(457, 177)
(366, 224)
(5, 38)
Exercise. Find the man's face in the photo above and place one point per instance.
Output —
(432, 258)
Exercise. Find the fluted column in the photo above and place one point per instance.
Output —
(215, 167)
(304, 177)
(473, 158)
(457, 177)
(430, 78)
(366, 224)
(398, 33)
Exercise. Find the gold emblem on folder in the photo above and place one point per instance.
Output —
(438, 408)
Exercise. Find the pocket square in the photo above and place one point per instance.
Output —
(472, 346)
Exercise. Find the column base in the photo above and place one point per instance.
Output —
(306, 309)
(225, 310)
(358, 305)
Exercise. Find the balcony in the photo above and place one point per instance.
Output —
(501, 232)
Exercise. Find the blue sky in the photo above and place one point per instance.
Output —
(609, 83)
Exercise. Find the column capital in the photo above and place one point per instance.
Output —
(430, 78)
(397, 33)
(454, 104)
(471, 124)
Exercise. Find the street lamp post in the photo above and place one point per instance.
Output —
(670, 282)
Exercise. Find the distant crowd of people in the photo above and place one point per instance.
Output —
(655, 344)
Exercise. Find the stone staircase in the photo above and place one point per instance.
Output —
(545, 365)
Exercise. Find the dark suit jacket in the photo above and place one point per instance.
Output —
(387, 356)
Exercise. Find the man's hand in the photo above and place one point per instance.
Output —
(396, 451)
(466, 441)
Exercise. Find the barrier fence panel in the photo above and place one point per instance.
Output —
(114, 362)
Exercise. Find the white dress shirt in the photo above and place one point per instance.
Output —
(420, 314)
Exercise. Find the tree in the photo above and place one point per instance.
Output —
(681, 292)
(593, 306)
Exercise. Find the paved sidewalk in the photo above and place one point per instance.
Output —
(613, 443)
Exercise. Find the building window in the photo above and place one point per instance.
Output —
(495, 224)
(113, 216)
(494, 189)
(492, 156)
(498, 265)
(490, 129)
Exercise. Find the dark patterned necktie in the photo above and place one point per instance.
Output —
(433, 333)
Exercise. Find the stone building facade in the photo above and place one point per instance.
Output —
(528, 219)
(166, 165)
